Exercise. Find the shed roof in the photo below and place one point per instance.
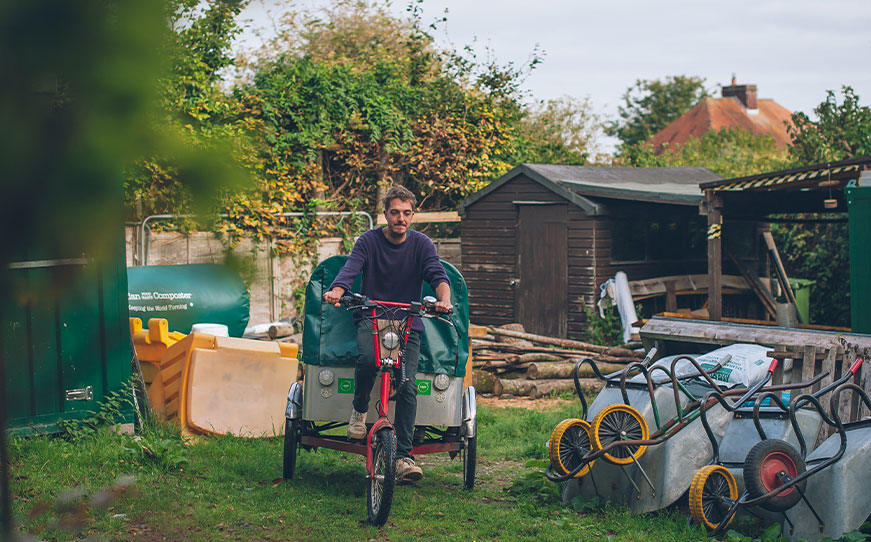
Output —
(798, 190)
(669, 185)
(800, 178)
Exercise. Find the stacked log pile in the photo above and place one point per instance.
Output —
(509, 361)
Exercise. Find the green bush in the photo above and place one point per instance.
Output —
(607, 331)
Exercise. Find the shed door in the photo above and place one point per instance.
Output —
(540, 302)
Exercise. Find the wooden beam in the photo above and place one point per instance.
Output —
(779, 270)
(670, 296)
(686, 284)
(755, 284)
(722, 333)
(713, 205)
(441, 216)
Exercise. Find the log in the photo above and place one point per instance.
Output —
(537, 371)
(538, 388)
(541, 356)
(281, 330)
(483, 381)
(477, 331)
(508, 359)
(510, 337)
(620, 352)
(520, 388)
(565, 343)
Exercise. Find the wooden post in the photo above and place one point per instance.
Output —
(713, 205)
(670, 296)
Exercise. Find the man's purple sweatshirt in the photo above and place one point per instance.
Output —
(392, 272)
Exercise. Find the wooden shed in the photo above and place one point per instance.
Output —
(538, 241)
(815, 189)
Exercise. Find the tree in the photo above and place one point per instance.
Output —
(842, 131)
(562, 131)
(208, 135)
(650, 105)
(359, 100)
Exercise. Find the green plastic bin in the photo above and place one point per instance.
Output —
(801, 288)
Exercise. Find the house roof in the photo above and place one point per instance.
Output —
(586, 185)
(770, 119)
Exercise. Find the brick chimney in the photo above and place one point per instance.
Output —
(746, 94)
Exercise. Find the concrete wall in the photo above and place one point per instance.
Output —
(270, 278)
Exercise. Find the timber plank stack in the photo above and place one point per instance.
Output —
(509, 361)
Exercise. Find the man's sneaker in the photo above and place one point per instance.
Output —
(407, 471)
(357, 425)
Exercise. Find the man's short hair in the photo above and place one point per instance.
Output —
(399, 191)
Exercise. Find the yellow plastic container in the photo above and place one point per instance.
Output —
(215, 385)
(238, 387)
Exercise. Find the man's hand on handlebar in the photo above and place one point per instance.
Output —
(443, 306)
(334, 296)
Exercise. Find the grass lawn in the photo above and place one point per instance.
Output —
(227, 488)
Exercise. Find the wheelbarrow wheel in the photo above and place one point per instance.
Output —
(291, 442)
(383, 479)
(767, 461)
(618, 423)
(470, 461)
(710, 488)
(569, 443)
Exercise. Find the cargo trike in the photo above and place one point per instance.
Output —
(318, 408)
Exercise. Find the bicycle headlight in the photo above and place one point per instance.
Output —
(326, 377)
(441, 382)
(390, 340)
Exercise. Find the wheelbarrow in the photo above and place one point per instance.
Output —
(750, 426)
(825, 500)
(658, 467)
(626, 473)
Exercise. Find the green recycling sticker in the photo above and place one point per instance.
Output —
(346, 385)
(424, 387)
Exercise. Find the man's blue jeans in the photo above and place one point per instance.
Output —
(406, 400)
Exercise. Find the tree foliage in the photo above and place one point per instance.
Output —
(651, 104)
(208, 134)
(561, 131)
(357, 100)
(841, 131)
(728, 152)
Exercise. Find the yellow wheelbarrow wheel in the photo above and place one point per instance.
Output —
(569, 443)
(618, 423)
(707, 490)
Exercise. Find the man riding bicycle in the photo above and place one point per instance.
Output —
(394, 261)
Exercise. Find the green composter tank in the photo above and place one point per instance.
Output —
(66, 338)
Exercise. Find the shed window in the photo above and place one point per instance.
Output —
(675, 238)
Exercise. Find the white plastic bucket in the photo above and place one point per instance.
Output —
(218, 330)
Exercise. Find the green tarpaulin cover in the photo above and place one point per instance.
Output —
(329, 335)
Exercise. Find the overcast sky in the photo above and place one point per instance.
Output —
(793, 50)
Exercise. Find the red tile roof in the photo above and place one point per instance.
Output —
(717, 113)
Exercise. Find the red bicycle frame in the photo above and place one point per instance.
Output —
(383, 403)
